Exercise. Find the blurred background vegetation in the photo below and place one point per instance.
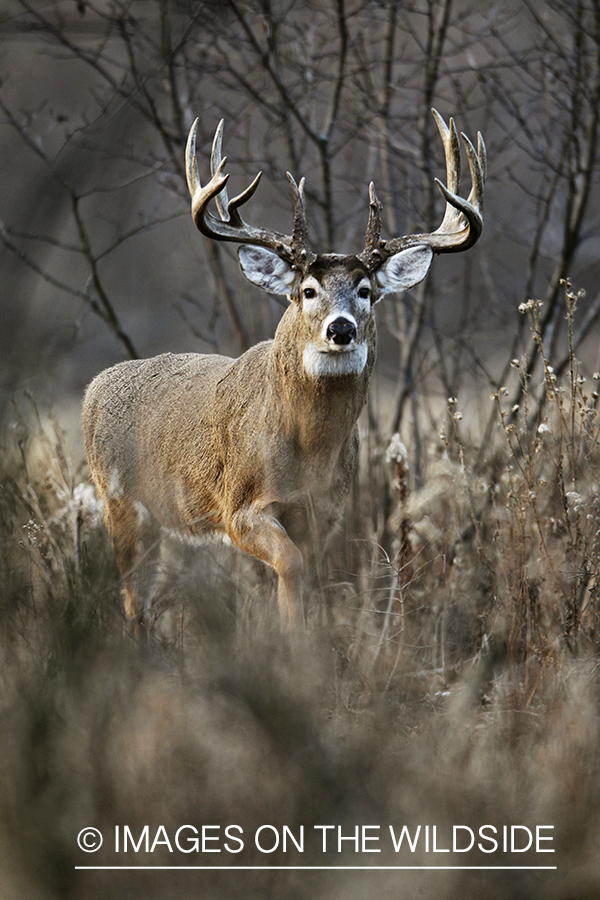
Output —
(449, 671)
(100, 257)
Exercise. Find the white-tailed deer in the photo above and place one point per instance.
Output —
(260, 448)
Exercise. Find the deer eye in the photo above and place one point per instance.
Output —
(309, 293)
(364, 293)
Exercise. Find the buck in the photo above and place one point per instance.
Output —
(260, 449)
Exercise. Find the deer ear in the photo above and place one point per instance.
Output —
(264, 268)
(405, 269)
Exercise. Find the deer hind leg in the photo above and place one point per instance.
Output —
(135, 537)
(263, 536)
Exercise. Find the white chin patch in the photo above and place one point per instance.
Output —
(320, 363)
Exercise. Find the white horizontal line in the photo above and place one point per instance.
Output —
(322, 868)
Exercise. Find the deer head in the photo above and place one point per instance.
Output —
(336, 293)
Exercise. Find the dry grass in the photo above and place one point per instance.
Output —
(452, 678)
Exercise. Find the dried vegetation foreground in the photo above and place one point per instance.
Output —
(448, 675)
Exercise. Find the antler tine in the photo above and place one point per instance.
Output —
(228, 209)
(230, 226)
(300, 233)
(373, 233)
(232, 205)
(191, 163)
(478, 168)
(216, 159)
(482, 153)
(371, 255)
(449, 136)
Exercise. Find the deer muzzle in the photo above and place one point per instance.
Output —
(341, 331)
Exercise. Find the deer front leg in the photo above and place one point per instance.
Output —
(134, 536)
(261, 535)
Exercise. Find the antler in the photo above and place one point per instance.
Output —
(230, 226)
(462, 223)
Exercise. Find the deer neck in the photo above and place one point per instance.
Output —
(319, 411)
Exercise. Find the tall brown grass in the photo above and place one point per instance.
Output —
(448, 674)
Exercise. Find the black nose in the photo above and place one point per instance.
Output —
(341, 331)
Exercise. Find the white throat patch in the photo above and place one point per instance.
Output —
(323, 363)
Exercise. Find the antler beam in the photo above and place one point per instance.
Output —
(230, 226)
(462, 223)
